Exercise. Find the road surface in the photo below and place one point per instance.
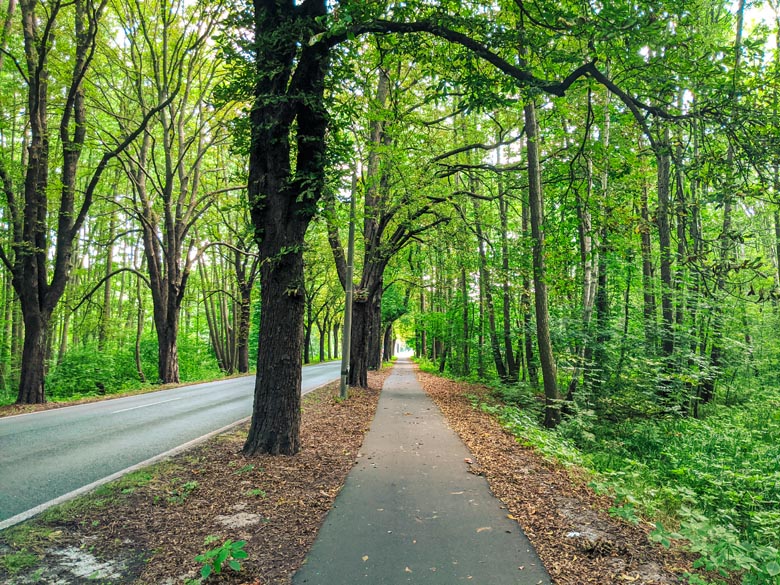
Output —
(50, 456)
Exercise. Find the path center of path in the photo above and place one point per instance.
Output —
(410, 512)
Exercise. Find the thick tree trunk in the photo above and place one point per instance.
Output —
(277, 406)
(31, 384)
(358, 360)
(167, 327)
(552, 411)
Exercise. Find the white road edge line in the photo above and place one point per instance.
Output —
(84, 489)
(147, 405)
(108, 398)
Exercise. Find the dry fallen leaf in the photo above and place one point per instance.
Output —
(365, 558)
(484, 528)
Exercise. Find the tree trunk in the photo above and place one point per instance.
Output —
(105, 317)
(277, 405)
(552, 412)
(423, 334)
(31, 384)
(375, 331)
(388, 343)
(336, 331)
(358, 361)
(168, 354)
(525, 302)
(512, 368)
(466, 334)
(484, 277)
(663, 161)
(648, 277)
(139, 329)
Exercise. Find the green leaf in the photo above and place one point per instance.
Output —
(240, 554)
(235, 565)
(773, 568)
(205, 571)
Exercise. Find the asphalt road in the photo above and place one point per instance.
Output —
(50, 456)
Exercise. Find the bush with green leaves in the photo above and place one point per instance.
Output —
(716, 479)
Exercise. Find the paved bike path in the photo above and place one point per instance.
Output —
(410, 512)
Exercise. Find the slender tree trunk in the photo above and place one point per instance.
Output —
(583, 349)
(423, 333)
(525, 302)
(726, 246)
(466, 334)
(336, 331)
(600, 365)
(484, 277)
(388, 343)
(105, 317)
(663, 161)
(552, 414)
(648, 276)
(512, 368)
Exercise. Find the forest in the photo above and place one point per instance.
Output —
(577, 203)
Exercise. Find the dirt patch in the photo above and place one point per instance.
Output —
(577, 539)
(150, 532)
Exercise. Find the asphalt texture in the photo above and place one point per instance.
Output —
(410, 512)
(52, 455)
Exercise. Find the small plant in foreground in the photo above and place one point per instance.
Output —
(214, 560)
(179, 495)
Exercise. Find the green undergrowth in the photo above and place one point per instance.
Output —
(713, 483)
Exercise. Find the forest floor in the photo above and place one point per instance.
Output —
(148, 527)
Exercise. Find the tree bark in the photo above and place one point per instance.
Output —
(466, 333)
(525, 302)
(289, 101)
(648, 276)
(484, 277)
(276, 414)
(663, 162)
(552, 411)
